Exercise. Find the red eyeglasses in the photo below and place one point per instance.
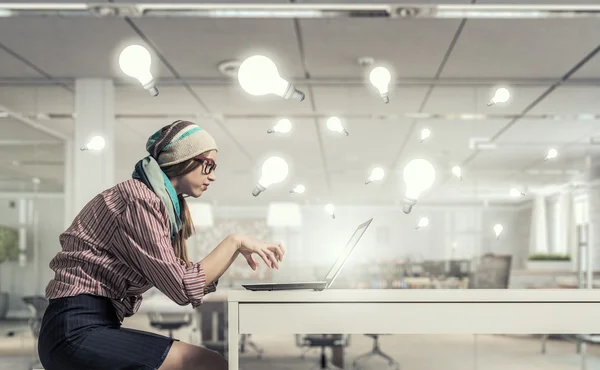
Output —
(209, 164)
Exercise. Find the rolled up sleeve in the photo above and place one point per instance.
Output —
(143, 243)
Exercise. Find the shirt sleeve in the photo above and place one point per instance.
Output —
(143, 242)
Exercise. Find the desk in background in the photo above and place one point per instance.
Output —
(410, 311)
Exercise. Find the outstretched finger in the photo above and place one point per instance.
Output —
(252, 262)
(278, 251)
(264, 257)
(281, 246)
(273, 258)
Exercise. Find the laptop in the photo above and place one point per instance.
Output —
(331, 275)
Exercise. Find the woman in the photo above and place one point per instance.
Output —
(128, 239)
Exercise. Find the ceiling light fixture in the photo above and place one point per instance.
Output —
(335, 124)
(418, 176)
(274, 170)
(135, 62)
(501, 96)
(258, 76)
(376, 175)
(283, 126)
(229, 68)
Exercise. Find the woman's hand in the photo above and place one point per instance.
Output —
(272, 254)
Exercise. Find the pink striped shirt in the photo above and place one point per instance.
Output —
(119, 246)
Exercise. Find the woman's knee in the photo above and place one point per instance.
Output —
(185, 356)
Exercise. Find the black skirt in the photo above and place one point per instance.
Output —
(83, 332)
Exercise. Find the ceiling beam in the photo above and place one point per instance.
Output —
(450, 117)
(346, 81)
(298, 11)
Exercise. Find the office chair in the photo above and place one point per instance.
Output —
(376, 351)
(169, 321)
(246, 341)
(323, 341)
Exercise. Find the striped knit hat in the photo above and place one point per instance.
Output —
(178, 142)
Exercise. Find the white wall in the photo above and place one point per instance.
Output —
(33, 277)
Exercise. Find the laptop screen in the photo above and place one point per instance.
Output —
(339, 263)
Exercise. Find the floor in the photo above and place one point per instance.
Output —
(422, 352)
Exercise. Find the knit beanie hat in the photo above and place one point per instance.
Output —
(178, 142)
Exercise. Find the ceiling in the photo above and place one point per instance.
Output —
(446, 71)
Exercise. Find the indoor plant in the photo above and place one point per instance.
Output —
(549, 261)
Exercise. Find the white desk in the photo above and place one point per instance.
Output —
(410, 312)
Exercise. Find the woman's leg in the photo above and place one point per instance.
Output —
(184, 356)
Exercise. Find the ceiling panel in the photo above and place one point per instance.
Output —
(570, 100)
(15, 130)
(232, 99)
(365, 99)
(42, 99)
(505, 158)
(370, 143)
(591, 69)
(172, 100)
(387, 2)
(196, 47)
(72, 47)
(548, 132)
(333, 46)
(449, 141)
(297, 146)
(521, 48)
(444, 99)
(350, 188)
(212, 1)
(542, 2)
(11, 67)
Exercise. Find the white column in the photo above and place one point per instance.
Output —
(566, 224)
(538, 237)
(90, 172)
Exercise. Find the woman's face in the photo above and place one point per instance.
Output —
(196, 182)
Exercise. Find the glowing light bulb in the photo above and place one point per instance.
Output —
(425, 134)
(423, 222)
(376, 175)
(457, 171)
(135, 62)
(258, 76)
(335, 124)
(299, 189)
(552, 153)
(330, 209)
(498, 230)
(380, 77)
(418, 176)
(515, 193)
(97, 143)
(283, 126)
(274, 170)
(501, 96)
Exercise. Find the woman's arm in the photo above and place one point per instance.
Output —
(218, 261)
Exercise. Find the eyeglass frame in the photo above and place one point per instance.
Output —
(210, 164)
